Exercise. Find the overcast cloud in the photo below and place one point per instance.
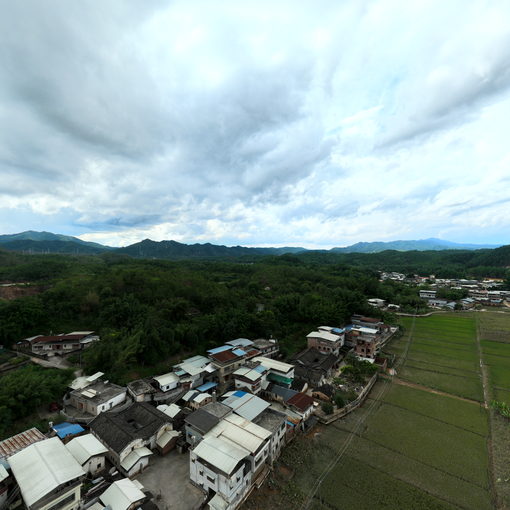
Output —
(311, 123)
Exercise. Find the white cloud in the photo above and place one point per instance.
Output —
(313, 124)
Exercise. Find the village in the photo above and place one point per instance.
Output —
(203, 435)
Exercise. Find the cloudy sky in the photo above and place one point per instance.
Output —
(311, 123)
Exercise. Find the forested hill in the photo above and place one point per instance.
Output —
(447, 263)
(175, 250)
(419, 245)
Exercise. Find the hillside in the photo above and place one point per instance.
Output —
(431, 244)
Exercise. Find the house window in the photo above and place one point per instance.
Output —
(211, 479)
(193, 460)
(201, 473)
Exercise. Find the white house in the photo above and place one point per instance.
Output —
(89, 452)
(123, 494)
(48, 476)
(167, 382)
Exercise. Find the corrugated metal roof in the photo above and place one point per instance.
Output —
(171, 410)
(201, 397)
(3, 473)
(240, 342)
(324, 335)
(221, 454)
(222, 348)
(16, 443)
(238, 352)
(251, 406)
(42, 467)
(249, 373)
(192, 369)
(122, 494)
(84, 447)
(166, 437)
(67, 429)
(272, 364)
(165, 379)
(207, 386)
(134, 457)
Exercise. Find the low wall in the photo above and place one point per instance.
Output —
(340, 413)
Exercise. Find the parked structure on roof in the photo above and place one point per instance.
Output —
(48, 476)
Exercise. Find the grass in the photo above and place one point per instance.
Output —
(410, 448)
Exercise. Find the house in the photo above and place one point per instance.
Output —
(130, 435)
(14, 444)
(273, 421)
(89, 452)
(247, 435)
(376, 302)
(230, 457)
(315, 367)
(140, 390)
(278, 371)
(226, 359)
(196, 399)
(369, 323)
(97, 397)
(428, 294)
(222, 468)
(123, 494)
(244, 404)
(175, 413)
(268, 348)
(48, 476)
(58, 344)
(198, 423)
(194, 371)
(167, 382)
(327, 339)
(302, 404)
(250, 378)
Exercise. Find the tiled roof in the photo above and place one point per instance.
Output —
(301, 401)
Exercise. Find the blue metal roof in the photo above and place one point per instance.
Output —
(67, 429)
(338, 330)
(260, 369)
(238, 352)
(239, 393)
(207, 386)
(219, 349)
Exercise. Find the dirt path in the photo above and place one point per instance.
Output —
(487, 398)
(403, 382)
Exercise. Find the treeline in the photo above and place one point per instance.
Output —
(444, 264)
(149, 310)
(24, 390)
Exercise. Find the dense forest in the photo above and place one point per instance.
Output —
(147, 311)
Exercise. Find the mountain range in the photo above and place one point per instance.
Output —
(48, 242)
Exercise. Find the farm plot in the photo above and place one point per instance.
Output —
(406, 447)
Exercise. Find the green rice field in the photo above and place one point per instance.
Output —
(423, 437)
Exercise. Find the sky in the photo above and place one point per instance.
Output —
(260, 123)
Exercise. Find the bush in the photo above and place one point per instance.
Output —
(327, 407)
(339, 400)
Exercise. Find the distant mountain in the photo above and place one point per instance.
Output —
(175, 250)
(419, 245)
(47, 242)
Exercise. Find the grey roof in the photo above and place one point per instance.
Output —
(312, 358)
(217, 409)
(281, 391)
(99, 392)
(202, 420)
(117, 430)
(248, 406)
(140, 387)
(270, 419)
